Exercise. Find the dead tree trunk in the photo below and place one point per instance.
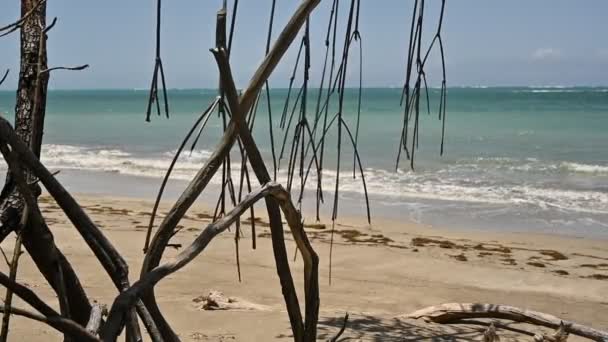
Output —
(29, 121)
(30, 105)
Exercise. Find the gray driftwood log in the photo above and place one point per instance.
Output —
(455, 312)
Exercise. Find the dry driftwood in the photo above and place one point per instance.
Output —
(217, 300)
(454, 312)
(97, 313)
(31, 219)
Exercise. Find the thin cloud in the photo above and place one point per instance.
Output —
(542, 54)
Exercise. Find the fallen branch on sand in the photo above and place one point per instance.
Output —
(456, 312)
(216, 300)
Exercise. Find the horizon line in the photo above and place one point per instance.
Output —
(137, 89)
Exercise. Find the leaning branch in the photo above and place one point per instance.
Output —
(59, 323)
(311, 260)
(105, 252)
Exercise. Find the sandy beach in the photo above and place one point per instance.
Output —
(380, 272)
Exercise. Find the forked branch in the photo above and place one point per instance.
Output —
(199, 183)
(158, 68)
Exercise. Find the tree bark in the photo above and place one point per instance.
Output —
(29, 122)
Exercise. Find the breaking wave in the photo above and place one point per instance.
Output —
(463, 181)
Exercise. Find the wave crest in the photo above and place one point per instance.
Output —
(479, 180)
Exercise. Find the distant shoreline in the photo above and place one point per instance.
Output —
(577, 86)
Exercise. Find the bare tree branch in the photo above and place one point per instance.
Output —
(204, 115)
(49, 27)
(17, 24)
(27, 295)
(76, 68)
(158, 68)
(108, 256)
(4, 77)
(198, 184)
(8, 298)
(308, 331)
(344, 323)
(57, 322)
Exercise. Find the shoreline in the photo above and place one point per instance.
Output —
(379, 273)
(446, 214)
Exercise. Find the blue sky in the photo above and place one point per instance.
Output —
(515, 42)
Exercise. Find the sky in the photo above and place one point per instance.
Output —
(488, 43)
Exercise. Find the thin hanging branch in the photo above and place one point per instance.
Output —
(270, 125)
(224, 111)
(205, 115)
(75, 68)
(412, 95)
(357, 38)
(333, 22)
(4, 77)
(158, 68)
(341, 79)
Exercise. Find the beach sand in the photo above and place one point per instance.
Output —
(380, 272)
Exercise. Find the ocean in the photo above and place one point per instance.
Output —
(516, 158)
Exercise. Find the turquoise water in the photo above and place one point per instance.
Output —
(516, 158)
